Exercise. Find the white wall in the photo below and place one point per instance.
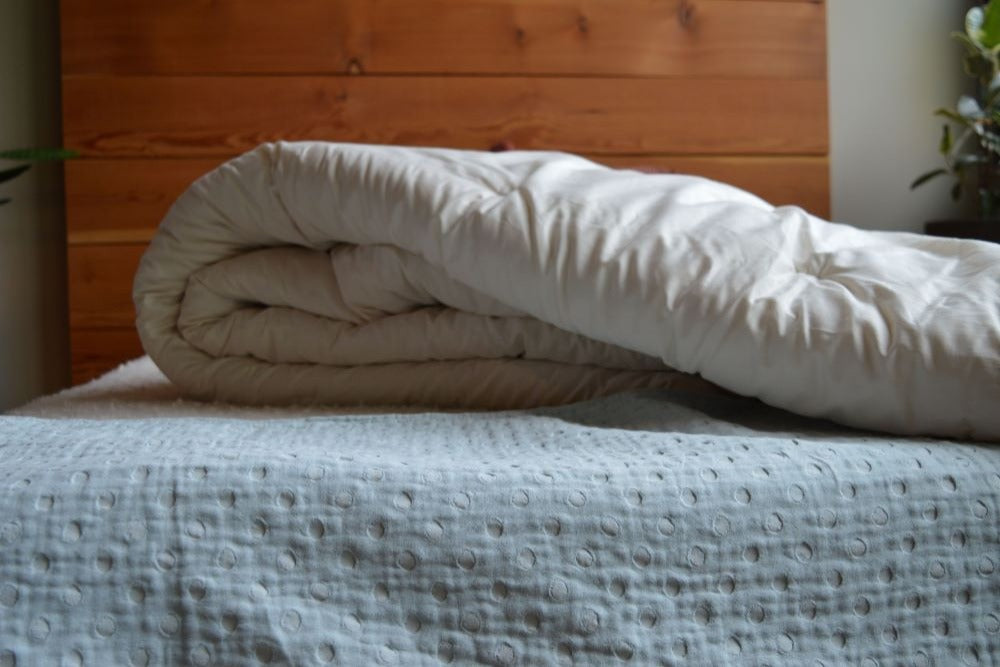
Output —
(891, 63)
(33, 338)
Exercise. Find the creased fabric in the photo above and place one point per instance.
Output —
(336, 273)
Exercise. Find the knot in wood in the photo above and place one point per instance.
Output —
(685, 14)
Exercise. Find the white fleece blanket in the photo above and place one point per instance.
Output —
(332, 273)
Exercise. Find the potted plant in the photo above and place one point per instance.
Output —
(25, 154)
(970, 139)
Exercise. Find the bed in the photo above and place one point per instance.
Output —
(673, 522)
(656, 526)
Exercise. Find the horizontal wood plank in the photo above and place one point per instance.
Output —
(689, 38)
(679, 85)
(97, 351)
(100, 285)
(218, 116)
(123, 201)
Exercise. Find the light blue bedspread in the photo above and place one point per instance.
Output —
(650, 528)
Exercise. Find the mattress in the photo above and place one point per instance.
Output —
(649, 527)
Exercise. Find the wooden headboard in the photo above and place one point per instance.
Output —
(157, 93)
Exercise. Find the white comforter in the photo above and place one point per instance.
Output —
(317, 272)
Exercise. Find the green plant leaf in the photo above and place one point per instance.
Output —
(923, 178)
(38, 154)
(978, 64)
(944, 147)
(13, 172)
(974, 23)
(967, 42)
(970, 159)
(988, 136)
(31, 154)
(963, 139)
(953, 116)
(990, 28)
(968, 108)
(982, 25)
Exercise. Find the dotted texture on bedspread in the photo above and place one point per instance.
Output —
(595, 534)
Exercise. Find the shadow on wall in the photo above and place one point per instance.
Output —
(33, 322)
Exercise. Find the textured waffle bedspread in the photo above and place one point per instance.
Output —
(649, 527)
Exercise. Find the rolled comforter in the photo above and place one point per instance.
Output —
(335, 273)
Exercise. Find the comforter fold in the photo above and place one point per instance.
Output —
(335, 273)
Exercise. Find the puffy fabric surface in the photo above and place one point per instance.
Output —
(315, 272)
(644, 528)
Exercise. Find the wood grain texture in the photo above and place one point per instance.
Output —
(218, 116)
(122, 201)
(100, 285)
(96, 351)
(689, 38)
(157, 93)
